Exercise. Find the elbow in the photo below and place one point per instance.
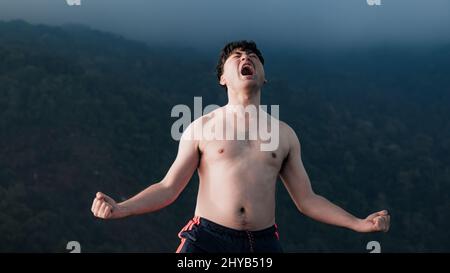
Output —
(170, 192)
(306, 203)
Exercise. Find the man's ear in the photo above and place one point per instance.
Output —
(222, 81)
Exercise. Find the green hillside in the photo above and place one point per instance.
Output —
(83, 111)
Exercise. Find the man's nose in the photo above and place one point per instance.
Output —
(244, 57)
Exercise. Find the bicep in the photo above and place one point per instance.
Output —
(185, 163)
(293, 173)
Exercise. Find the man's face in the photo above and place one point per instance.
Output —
(242, 70)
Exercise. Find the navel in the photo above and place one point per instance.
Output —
(274, 155)
(220, 150)
(242, 210)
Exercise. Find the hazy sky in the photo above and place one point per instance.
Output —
(292, 23)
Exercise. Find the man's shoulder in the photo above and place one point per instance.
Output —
(285, 128)
(289, 134)
(196, 127)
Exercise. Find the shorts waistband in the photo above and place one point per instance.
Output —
(234, 232)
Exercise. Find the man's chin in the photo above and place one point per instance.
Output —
(248, 77)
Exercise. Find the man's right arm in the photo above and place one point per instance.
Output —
(159, 195)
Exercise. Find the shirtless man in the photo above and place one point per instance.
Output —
(235, 209)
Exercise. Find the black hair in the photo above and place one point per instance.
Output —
(248, 46)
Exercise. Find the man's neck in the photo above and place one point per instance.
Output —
(244, 98)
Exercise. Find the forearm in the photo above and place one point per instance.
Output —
(320, 209)
(153, 198)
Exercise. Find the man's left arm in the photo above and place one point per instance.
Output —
(296, 181)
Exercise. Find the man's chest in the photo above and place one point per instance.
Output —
(240, 151)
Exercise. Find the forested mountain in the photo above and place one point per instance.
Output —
(83, 111)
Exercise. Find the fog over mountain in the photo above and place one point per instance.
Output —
(323, 24)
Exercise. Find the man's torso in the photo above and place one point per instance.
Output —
(238, 180)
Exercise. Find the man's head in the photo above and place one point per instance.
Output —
(240, 65)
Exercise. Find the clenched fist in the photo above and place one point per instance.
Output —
(105, 207)
(378, 221)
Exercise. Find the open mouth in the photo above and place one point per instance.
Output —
(247, 70)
